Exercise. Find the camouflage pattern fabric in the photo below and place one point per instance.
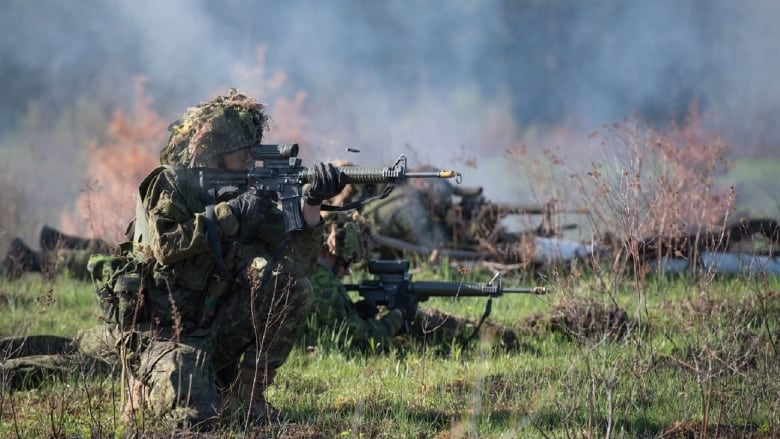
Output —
(406, 215)
(179, 364)
(332, 308)
(348, 237)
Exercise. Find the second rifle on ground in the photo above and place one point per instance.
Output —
(394, 281)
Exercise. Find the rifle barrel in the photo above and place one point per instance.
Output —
(435, 174)
(510, 209)
(466, 289)
(525, 290)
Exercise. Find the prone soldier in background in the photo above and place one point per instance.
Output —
(415, 212)
(411, 214)
(348, 243)
(435, 217)
(59, 253)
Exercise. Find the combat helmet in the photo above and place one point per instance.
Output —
(210, 129)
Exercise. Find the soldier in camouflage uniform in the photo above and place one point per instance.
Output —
(212, 329)
(423, 213)
(348, 241)
(412, 213)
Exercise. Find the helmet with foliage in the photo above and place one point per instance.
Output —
(348, 237)
(205, 132)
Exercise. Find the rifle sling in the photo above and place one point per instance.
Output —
(214, 245)
(488, 308)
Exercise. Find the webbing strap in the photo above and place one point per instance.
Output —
(488, 308)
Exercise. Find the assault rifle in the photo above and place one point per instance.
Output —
(474, 202)
(394, 280)
(281, 172)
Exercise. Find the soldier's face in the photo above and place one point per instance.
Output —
(238, 160)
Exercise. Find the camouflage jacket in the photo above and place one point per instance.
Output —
(175, 239)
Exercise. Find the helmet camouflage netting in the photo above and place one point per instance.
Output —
(223, 124)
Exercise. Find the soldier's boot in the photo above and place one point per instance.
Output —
(20, 259)
(246, 395)
(52, 239)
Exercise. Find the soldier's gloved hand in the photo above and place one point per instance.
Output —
(251, 211)
(249, 206)
(327, 182)
(407, 304)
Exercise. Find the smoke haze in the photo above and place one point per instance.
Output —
(441, 82)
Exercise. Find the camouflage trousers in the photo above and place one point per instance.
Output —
(182, 378)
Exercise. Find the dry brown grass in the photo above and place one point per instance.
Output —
(656, 184)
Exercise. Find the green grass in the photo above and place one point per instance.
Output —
(33, 305)
(701, 359)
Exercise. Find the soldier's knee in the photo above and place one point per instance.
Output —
(179, 383)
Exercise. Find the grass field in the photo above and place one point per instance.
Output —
(601, 356)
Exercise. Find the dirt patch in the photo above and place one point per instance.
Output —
(583, 319)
